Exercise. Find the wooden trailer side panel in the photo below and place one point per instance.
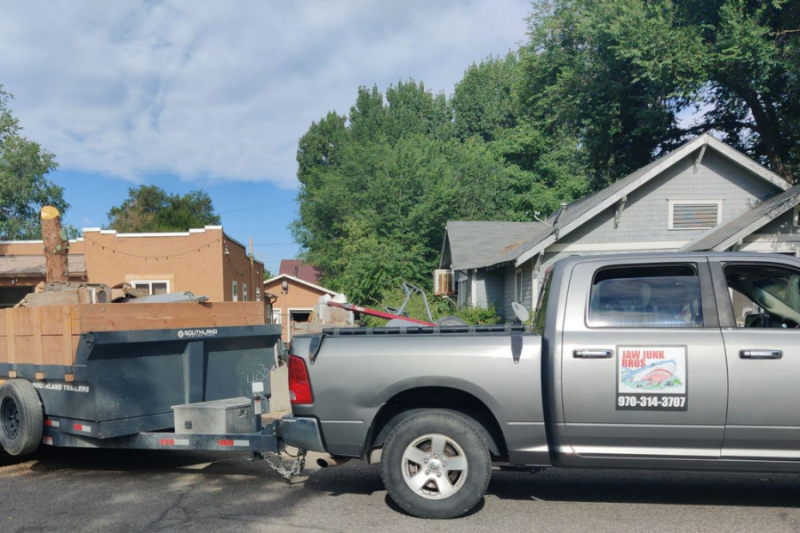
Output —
(36, 335)
(49, 335)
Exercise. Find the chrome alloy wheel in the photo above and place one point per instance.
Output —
(434, 466)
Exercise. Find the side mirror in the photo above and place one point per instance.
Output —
(520, 312)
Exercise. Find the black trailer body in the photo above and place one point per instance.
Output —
(127, 382)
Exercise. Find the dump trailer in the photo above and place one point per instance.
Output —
(182, 376)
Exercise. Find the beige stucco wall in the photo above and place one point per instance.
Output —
(298, 296)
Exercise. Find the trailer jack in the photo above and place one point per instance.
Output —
(297, 467)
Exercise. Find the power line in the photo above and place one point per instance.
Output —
(274, 244)
(254, 207)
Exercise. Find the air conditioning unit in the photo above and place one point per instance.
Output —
(443, 283)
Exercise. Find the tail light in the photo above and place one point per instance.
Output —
(299, 385)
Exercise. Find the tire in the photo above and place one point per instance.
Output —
(451, 321)
(21, 417)
(410, 458)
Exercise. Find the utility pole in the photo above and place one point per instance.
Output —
(56, 247)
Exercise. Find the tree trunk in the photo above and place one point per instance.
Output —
(55, 246)
(769, 130)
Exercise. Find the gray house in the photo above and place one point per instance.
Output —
(702, 196)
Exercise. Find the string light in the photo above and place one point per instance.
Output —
(155, 257)
(239, 273)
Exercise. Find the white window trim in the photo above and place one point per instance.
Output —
(700, 201)
(276, 311)
(235, 291)
(244, 292)
(150, 282)
(519, 285)
(258, 294)
(796, 217)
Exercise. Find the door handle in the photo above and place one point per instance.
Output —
(761, 354)
(593, 354)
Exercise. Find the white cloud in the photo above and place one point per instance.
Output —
(223, 90)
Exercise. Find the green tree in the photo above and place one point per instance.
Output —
(378, 187)
(484, 102)
(24, 187)
(150, 208)
(618, 73)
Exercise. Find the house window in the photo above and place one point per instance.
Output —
(694, 214)
(796, 217)
(276, 316)
(258, 294)
(153, 287)
(518, 286)
(235, 291)
(244, 292)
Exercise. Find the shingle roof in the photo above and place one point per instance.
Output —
(474, 246)
(482, 244)
(725, 235)
(586, 208)
(21, 265)
(301, 270)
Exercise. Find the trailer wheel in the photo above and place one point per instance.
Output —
(21, 417)
(436, 465)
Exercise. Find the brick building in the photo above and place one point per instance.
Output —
(204, 261)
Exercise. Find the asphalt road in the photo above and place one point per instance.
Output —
(89, 490)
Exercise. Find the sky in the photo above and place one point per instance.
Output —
(216, 95)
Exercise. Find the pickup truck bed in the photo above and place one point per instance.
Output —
(669, 361)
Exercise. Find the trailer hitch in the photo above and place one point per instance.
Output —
(297, 467)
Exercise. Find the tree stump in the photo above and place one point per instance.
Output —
(56, 247)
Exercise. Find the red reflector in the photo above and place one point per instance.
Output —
(48, 422)
(299, 385)
(167, 442)
(223, 442)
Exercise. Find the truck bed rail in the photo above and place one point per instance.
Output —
(426, 330)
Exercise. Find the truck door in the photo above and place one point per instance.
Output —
(761, 329)
(643, 363)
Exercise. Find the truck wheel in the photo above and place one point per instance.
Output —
(435, 465)
(21, 417)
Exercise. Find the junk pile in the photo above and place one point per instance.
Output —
(325, 317)
(73, 293)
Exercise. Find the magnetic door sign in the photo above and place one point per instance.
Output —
(652, 378)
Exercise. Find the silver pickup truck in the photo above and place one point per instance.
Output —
(658, 361)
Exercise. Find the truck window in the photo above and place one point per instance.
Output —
(764, 296)
(666, 296)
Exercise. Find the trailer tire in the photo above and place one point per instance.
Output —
(21, 417)
(415, 470)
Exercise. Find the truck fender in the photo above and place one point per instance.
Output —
(444, 382)
(473, 418)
